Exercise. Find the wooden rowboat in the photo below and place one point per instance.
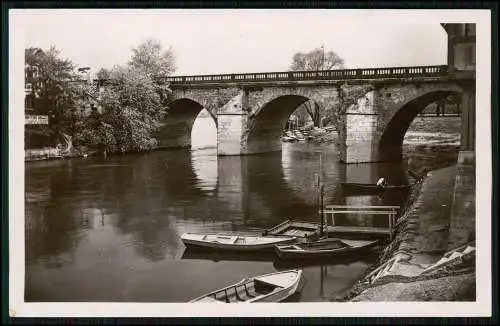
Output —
(273, 287)
(301, 230)
(323, 248)
(369, 188)
(233, 242)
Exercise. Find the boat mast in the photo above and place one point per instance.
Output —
(320, 190)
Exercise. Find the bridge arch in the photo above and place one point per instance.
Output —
(175, 131)
(396, 124)
(266, 126)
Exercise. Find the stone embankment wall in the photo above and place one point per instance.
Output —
(418, 265)
(41, 153)
(430, 124)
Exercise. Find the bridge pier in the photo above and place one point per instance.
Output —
(229, 132)
(231, 123)
(359, 139)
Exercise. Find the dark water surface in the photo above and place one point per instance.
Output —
(108, 229)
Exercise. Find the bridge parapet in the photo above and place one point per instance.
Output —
(344, 74)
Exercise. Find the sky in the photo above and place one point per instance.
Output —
(237, 41)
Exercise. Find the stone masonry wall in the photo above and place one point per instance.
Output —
(231, 122)
(363, 126)
(463, 211)
(392, 98)
(361, 122)
(211, 99)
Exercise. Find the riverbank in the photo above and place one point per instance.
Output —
(432, 257)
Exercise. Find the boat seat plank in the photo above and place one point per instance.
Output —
(250, 290)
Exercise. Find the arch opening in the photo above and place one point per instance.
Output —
(264, 134)
(204, 131)
(391, 141)
(177, 126)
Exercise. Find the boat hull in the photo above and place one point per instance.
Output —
(283, 285)
(233, 243)
(353, 189)
(307, 251)
(366, 187)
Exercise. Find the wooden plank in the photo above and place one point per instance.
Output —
(358, 229)
(359, 212)
(362, 207)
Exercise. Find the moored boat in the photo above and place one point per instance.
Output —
(273, 287)
(323, 248)
(301, 230)
(371, 188)
(234, 242)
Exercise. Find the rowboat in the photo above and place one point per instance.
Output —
(230, 255)
(301, 230)
(233, 242)
(273, 287)
(323, 248)
(370, 188)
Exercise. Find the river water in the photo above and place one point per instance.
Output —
(108, 229)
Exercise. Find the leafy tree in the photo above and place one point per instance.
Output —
(103, 74)
(150, 58)
(315, 60)
(133, 101)
(55, 92)
(123, 97)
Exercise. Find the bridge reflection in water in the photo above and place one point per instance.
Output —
(108, 229)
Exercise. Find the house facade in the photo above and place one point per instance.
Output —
(462, 63)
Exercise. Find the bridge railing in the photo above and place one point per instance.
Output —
(344, 74)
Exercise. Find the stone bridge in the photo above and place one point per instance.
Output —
(251, 110)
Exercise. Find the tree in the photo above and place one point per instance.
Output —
(55, 92)
(103, 74)
(313, 109)
(133, 101)
(315, 60)
(150, 58)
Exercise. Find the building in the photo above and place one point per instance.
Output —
(461, 46)
(462, 64)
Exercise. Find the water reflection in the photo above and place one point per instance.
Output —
(205, 167)
(108, 228)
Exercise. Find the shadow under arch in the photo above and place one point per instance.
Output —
(269, 121)
(390, 147)
(176, 129)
